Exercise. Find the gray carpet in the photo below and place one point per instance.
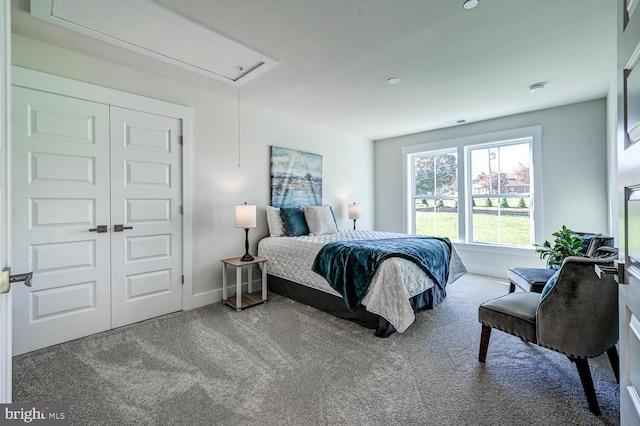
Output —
(283, 363)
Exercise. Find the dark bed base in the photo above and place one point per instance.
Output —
(335, 305)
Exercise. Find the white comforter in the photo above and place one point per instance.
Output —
(395, 281)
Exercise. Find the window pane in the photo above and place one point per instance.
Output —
(439, 218)
(507, 165)
(500, 225)
(435, 185)
(436, 174)
(499, 175)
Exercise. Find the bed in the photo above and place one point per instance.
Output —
(398, 289)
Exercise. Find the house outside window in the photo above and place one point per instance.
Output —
(476, 190)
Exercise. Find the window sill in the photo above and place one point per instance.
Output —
(496, 249)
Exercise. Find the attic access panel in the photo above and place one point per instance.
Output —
(153, 30)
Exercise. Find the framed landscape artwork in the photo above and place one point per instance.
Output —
(296, 178)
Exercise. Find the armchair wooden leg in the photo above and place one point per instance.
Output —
(484, 342)
(587, 384)
(612, 352)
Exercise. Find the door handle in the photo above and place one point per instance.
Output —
(27, 278)
(6, 279)
(100, 229)
(120, 228)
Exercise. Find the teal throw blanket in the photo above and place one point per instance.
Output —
(349, 266)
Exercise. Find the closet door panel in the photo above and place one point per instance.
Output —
(146, 198)
(60, 190)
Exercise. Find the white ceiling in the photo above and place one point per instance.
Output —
(335, 56)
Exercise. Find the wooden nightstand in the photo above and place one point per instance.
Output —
(240, 301)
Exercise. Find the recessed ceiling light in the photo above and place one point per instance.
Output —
(393, 80)
(536, 87)
(470, 4)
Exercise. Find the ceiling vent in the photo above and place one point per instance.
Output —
(153, 30)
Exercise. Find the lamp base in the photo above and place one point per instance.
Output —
(247, 257)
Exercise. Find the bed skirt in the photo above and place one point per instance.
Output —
(335, 306)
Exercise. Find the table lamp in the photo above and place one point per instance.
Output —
(246, 218)
(354, 213)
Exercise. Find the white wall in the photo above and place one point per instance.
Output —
(219, 183)
(574, 177)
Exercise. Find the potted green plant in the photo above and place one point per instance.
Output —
(566, 244)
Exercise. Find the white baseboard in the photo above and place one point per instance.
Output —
(487, 270)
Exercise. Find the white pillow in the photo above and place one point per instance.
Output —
(274, 221)
(320, 220)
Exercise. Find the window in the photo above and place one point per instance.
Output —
(475, 190)
(500, 197)
(435, 199)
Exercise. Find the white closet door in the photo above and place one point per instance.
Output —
(60, 181)
(146, 184)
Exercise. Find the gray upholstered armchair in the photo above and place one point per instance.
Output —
(578, 316)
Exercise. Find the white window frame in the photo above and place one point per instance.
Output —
(532, 133)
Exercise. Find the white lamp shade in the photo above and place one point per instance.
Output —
(245, 216)
(355, 211)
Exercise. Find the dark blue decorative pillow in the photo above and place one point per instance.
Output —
(551, 282)
(294, 221)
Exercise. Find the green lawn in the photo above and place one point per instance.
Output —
(441, 224)
(487, 228)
